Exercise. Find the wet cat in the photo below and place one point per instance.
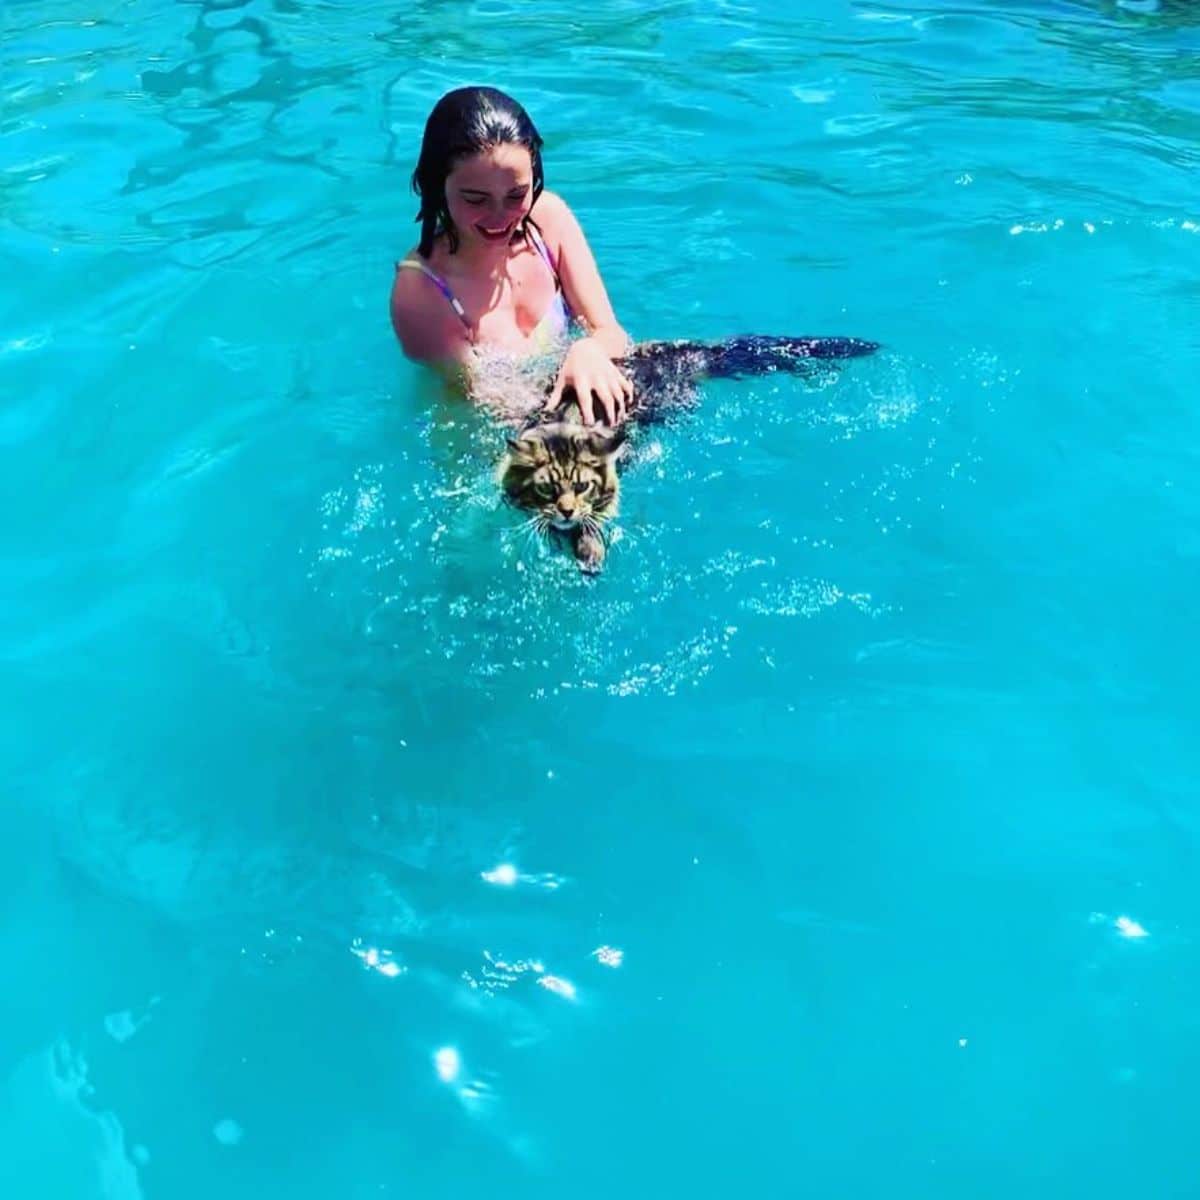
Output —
(564, 473)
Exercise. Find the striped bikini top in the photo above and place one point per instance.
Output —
(549, 331)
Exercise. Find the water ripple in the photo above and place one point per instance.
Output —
(368, 796)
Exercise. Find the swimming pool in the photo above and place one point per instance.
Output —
(839, 841)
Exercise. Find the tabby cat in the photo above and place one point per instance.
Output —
(565, 473)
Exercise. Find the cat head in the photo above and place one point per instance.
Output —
(566, 475)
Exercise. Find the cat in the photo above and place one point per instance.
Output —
(564, 473)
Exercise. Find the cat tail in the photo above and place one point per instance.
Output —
(751, 354)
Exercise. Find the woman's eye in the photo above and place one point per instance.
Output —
(582, 486)
(515, 201)
(474, 201)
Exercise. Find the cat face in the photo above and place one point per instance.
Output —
(566, 475)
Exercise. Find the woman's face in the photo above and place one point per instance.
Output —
(490, 193)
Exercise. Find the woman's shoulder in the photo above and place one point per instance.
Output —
(557, 223)
(551, 212)
(552, 201)
(426, 325)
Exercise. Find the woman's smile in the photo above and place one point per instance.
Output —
(496, 235)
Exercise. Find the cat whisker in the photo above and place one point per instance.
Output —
(531, 525)
(529, 530)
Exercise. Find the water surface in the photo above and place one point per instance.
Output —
(839, 841)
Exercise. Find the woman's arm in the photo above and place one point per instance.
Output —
(588, 367)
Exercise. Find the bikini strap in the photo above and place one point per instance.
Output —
(535, 238)
(409, 264)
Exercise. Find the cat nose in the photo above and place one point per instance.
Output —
(566, 506)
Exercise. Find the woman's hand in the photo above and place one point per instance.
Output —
(596, 380)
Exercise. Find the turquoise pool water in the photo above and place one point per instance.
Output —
(840, 841)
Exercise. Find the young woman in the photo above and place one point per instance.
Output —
(502, 265)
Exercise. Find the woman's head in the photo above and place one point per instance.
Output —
(480, 169)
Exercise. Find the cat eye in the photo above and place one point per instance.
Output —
(543, 489)
(582, 486)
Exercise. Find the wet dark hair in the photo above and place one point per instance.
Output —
(466, 121)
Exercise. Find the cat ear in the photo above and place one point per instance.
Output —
(606, 442)
(523, 447)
